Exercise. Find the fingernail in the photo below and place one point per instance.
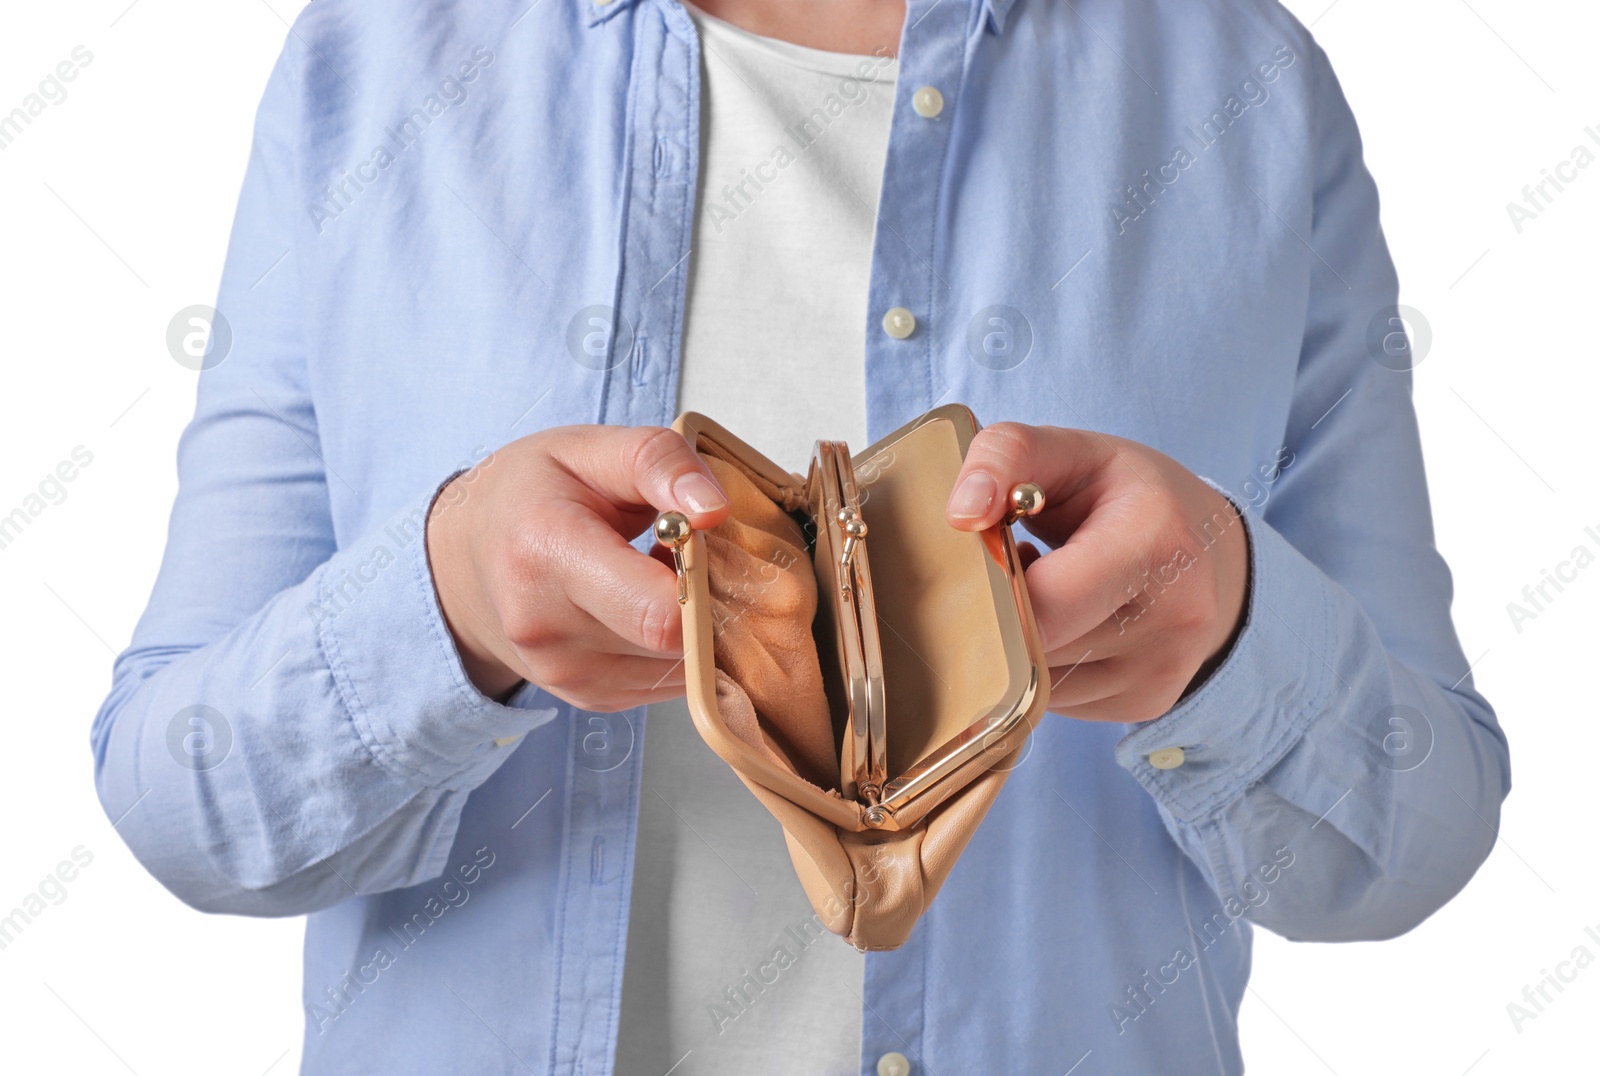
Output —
(699, 493)
(973, 497)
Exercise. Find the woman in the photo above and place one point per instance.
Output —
(486, 251)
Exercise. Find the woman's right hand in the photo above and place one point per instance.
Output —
(533, 570)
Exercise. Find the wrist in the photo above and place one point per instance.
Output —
(455, 587)
(1232, 567)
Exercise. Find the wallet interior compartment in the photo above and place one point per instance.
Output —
(946, 665)
(764, 595)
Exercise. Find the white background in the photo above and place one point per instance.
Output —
(117, 203)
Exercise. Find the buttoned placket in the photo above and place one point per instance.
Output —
(639, 387)
(641, 378)
(906, 301)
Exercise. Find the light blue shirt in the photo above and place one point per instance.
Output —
(1145, 217)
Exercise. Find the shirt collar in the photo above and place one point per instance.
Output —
(995, 11)
(598, 11)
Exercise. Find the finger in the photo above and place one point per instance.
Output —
(631, 594)
(577, 624)
(602, 640)
(1061, 461)
(1126, 630)
(1027, 553)
(647, 466)
(664, 555)
(1110, 708)
(1076, 685)
(1088, 579)
(1133, 704)
(1129, 689)
(1117, 689)
(1074, 653)
(606, 683)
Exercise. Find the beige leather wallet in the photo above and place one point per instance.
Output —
(868, 671)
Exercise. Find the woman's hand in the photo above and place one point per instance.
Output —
(1145, 588)
(535, 576)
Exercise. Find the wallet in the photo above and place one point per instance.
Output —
(868, 671)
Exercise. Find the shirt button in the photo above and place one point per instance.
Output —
(1168, 758)
(899, 323)
(893, 1064)
(928, 102)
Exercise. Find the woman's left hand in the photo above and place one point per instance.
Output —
(1144, 588)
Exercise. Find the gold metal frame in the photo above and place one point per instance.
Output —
(1019, 637)
(844, 582)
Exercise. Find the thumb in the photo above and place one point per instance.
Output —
(1006, 453)
(646, 467)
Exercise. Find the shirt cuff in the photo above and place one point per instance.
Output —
(1255, 707)
(396, 668)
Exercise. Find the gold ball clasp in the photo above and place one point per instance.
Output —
(672, 529)
(1027, 499)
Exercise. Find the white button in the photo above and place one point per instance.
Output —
(1168, 758)
(928, 102)
(893, 1064)
(899, 323)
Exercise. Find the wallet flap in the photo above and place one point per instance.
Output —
(700, 673)
(961, 654)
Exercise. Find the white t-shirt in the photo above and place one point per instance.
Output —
(728, 969)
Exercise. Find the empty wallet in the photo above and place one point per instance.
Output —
(868, 671)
